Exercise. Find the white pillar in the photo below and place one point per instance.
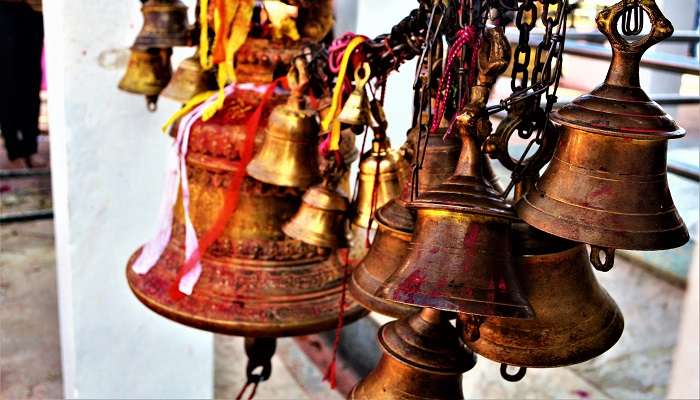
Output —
(108, 158)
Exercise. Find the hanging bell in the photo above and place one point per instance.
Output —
(378, 178)
(189, 80)
(575, 318)
(606, 184)
(423, 359)
(460, 256)
(288, 156)
(320, 220)
(356, 110)
(255, 280)
(164, 24)
(147, 73)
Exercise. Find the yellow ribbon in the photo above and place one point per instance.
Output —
(204, 59)
(334, 111)
(189, 106)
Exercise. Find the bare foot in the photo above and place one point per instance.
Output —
(37, 161)
(17, 164)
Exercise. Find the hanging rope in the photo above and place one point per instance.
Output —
(331, 371)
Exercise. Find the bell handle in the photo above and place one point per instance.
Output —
(598, 263)
(624, 68)
(516, 377)
(361, 81)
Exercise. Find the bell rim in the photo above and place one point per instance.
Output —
(378, 304)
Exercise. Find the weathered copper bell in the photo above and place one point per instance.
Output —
(460, 255)
(378, 178)
(189, 80)
(255, 279)
(575, 318)
(423, 359)
(147, 73)
(606, 184)
(164, 24)
(320, 220)
(395, 224)
(288, 156)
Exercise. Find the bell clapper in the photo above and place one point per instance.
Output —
(516, 377)
(259, 368)
(605, 263)
(470, 324)
(152, 103)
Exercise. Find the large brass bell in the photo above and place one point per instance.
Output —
(379, 182)
(460, 255)
(288, 156)
(356, 110)
(164, 24)
(189, 80)
(147, 73)
(606, 184)
(320, 220)
(575, 318)
(423, 359)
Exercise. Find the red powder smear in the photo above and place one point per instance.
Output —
(582, 394)
(469, 243)
(410, 286)
(602, 191)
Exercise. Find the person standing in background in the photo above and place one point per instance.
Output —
(21, 42)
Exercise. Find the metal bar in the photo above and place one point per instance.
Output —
(666, 99)
(25, 173)
(683, 36)
(26, 216)
(684, 170)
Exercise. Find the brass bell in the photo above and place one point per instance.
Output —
(189, 80)
(423, 359)
(575, 318)
(356, 110)
(378, 178)
(288, 156)
(320, 220)
(395, 224)
(147, 73)
(606, 184)
(164, 24)
(460, 257)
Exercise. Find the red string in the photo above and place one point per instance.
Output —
(243, 389)
(330, 372)
(232, 195)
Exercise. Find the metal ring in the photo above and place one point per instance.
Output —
(516, 377)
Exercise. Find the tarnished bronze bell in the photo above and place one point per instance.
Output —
(164, 24)
(288, 156)
(423, 359)
(378, 178)
(606, 184)
(255, 279)
(575, 318)
(320, 220)
(395, 224)
(189, 80)
(147, 73)
(460, 255)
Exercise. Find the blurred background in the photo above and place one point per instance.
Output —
(69, 326)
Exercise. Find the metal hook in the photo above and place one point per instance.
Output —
(516, 377)
(600, 265)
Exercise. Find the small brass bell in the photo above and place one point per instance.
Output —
(423, 359)
(460, 256)
(189, 80)
(288, 156)
(320, 220)
(575, 318)
(606, 184)
(356, 110)
(147, 73)
(378, 178)
(164, 24)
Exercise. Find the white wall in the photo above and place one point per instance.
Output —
(107, 163)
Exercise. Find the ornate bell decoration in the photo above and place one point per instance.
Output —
(378, 181)
(164, 24)
(189, 80)
(460, 255)
(606, 184)
(575, 318)
(320, 220)
(423, 359)
(147, 73)
(255, 279)
(395, 224)
(288, 156)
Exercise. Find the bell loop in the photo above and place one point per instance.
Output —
(633, 19)
(606, 263)
(516, 377)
